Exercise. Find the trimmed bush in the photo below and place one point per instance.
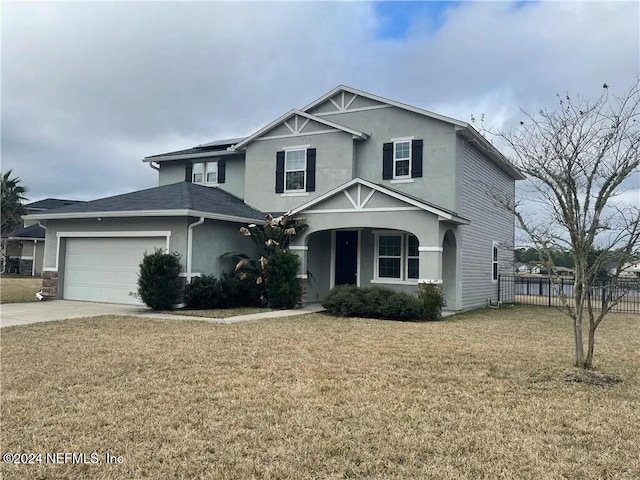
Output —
(282, 286)
(372, 302)
(228, 291)
(159, 283)
(432, 301)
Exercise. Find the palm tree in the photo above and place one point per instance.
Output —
(12, 209)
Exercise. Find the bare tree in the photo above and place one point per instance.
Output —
(581, 158)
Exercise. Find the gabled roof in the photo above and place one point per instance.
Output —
(442, 213)
(177, 199)
(464, 128)
(49, 203)
(217, 148)
(355, 91)
(32, 232)
(290, 114)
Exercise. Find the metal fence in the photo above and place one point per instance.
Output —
(543, 291)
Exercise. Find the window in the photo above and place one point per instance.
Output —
(295, 166)
(494, 262)
(205, 173)
(396, 256)
(402, 159)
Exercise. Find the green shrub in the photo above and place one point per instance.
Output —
(159, 283)
(432, 301)
(282, 286)
(228, 291)
(372, 302)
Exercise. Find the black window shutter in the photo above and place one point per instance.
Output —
(311, 170)
(222, 170)
(387, 161)
(416, 158)
(188, 177)
(279, 172)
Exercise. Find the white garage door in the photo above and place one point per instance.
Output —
(105, 269)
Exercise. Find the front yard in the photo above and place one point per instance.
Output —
(488, 394)
(18, 289)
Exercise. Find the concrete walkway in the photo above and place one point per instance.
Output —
(12, 314)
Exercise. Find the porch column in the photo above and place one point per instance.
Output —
(33, 262)
(430, 259)
(302, 252)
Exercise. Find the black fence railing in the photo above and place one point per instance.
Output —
(541, 290)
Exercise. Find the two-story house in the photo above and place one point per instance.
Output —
(393, 195)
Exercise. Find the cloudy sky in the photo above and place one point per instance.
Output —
(90, 88)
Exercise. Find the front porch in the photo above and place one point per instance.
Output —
(378, 256)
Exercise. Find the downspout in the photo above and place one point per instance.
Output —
(190, 246)
(157, 169)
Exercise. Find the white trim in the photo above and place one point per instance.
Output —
(396, 160)
(359, 109)
(287, 116)
(436, 211)
(24, 257)
(190, 246)
(365, 210)
(402, 139)
(404, 257)
(280, 137)
(49, 269)
(358, 262)
(302, 275)
(348, 195)
(430, 280)
(296, 170)
(109, 234)
(391, 281)
(147, 213)
(304, 124)
(429, 249)
(367, 198)
(286, 124)
(495, 249)
(296, 147)
(353, 99)
(188, 156)
(402, 180)
(298, 247)
(294, 193)
(332, 265)
(132, 233)
(193, 274)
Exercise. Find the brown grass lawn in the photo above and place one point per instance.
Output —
(489, 394)
(15, 289)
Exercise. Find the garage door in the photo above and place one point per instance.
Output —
(105, 269)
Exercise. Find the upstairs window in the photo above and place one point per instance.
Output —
(205, 173)
(401, 159)
(296, 170)
(295, 166)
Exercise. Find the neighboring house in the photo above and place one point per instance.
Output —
(628, 270)
(24, 247)
(393, 195)
(521, 268)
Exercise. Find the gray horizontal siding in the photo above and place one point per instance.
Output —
(489, 223)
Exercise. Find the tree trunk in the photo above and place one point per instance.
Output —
(588, 362)
(577, 322)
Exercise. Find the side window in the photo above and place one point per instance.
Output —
(494, 261)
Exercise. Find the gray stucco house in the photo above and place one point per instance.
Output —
(393, 195)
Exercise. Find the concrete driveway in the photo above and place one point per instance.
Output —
(24, 313)
(33, 312)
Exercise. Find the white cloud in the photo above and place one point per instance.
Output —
(88, 89)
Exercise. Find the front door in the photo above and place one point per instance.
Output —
(346, 257)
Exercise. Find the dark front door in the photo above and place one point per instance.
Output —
(346, 257)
